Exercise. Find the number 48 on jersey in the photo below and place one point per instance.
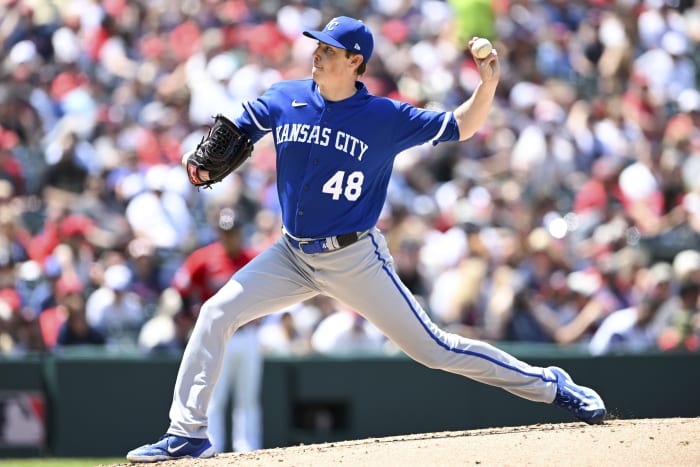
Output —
(338, 185)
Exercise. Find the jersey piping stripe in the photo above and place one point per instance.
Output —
(442, 344)
(249, 109)
(445, 121)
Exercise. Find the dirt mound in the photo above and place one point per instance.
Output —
(643, 442)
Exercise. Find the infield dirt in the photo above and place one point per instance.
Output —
(630, 443)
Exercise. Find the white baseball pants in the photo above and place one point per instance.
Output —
(362, 277)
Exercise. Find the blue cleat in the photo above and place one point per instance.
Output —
(172, 447)
(582, 402)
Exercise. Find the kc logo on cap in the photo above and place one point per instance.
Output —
(346, 33)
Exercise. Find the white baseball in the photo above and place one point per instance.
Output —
(481, 48)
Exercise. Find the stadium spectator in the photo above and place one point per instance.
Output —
(290, 331)
(75, 330)
(345, 332)
(66, 175)
(160, 214)
(147, 281)
(20, 332)
(634, 329)
(114, 309)
(65, 324)
(281, 335)
(168, 329)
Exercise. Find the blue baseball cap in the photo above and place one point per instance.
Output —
(346, 33)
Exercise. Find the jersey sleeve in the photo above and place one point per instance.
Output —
(416, 126)
(257, 118)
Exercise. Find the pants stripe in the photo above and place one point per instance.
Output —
(397, 283)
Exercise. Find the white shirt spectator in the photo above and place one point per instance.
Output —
(345, 332)
(668, 68)
(114, 310)
(619, 332)
(280, 335)
(159, 214)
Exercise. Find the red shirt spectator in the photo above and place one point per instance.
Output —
(10, 168)
(207, 269)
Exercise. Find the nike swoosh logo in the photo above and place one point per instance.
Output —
(174, 449)
(298, 104)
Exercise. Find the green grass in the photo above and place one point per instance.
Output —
(54, 462)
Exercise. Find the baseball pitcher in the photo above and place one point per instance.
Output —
(336, 145)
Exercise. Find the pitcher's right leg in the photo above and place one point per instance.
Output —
(270, 282)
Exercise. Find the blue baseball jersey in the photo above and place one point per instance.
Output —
(334, 159)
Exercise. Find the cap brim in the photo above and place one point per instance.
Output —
(325, 38)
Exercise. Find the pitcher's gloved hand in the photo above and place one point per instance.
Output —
(221, 151)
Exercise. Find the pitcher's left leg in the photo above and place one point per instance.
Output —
(372, 288)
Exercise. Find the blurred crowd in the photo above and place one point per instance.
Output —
(572, 217)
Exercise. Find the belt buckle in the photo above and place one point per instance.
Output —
(311, 247)
(302, 244)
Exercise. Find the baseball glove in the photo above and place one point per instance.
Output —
(221, 151)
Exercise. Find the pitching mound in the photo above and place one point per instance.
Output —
(644, 442)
